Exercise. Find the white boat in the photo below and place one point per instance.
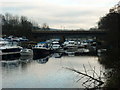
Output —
(8, 48)
(42, 45)
(55, 45)
(70, 44)
(26, 52)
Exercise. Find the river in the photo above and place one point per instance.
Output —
(47, 73)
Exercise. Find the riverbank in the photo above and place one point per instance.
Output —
(112, 74)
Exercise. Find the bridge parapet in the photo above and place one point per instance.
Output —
(67, 33)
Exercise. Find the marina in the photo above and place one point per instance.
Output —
(51, 56)
(10, 47)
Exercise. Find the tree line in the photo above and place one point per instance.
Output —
(19, 25)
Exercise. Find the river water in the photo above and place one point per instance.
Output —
(50, 72)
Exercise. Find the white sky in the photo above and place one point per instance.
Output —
(68, 14)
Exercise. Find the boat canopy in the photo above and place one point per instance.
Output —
(42, 42)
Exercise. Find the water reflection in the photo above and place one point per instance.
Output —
(43, 60)
(11, 56)
(26, 57)
(24, 61)
(10, 64)
(40, 71)
(16, 62)
(57, 55)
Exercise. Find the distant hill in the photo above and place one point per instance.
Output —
(53, 29)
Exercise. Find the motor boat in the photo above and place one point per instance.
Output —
(26, 52)
(9, 49)
(41, 49)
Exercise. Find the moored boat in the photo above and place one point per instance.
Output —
(26, 52)
(55, 45)
(9, 50)
(41, 49)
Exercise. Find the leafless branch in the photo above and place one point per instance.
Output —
(90, 77)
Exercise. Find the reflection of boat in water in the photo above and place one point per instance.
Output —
(70, 53)
(101, 52)
(83, 50)
(26, 59)
(71, 50)
(26, 52)
(57, 55)
(43, 60)
(38, 56)
(10, 57)
(13, 63)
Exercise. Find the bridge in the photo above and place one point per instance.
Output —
(67, 34)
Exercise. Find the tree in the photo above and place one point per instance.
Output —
(111, 24)
(45, 27)
(18, 26)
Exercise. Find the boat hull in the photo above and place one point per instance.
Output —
(39, 53)
(10, 56)
(10, 53)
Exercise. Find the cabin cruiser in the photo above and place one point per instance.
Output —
(70, 45)
(42, 46)
(9, 49)
(55, 45)
(41, 49)
(26, 52)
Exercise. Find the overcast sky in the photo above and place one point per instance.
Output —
(68, 14)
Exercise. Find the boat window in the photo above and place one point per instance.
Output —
(40, 46)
